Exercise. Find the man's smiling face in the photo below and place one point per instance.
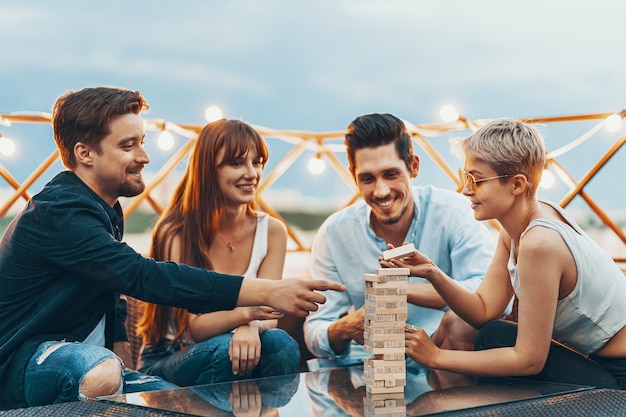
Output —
(384, 182)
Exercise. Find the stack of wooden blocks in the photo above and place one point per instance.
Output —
(385, 318)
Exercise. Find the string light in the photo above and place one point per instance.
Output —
(7, 146)
(316, 165)
(613, 122)
(547, 180)
(448, 113)
(165, 141)
(213, 113)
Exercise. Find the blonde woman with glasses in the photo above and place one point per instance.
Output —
(571, 294)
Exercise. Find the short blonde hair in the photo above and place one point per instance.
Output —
(510, 147)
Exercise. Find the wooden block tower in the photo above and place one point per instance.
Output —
(385, 317)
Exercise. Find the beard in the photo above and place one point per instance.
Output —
(129, 189)
(391, 220)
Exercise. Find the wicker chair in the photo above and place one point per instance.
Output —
(134, 312)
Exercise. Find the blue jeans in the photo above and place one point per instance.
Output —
(208, 362)
(54, 373)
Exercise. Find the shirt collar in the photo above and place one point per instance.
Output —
(115, 213)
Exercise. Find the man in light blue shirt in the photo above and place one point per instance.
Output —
(440, 223)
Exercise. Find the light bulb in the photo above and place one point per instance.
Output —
(213, 113)
(547, 180)
(613, 122)
(7, 146)
(448, 113)
(165, 141)
(316, 166)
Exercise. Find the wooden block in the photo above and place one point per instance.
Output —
(376, 363)
(386, 370)
(378, 336)
(376, 376)
(383, 411)
(392, 356)
(384, 383)
(370, 277)
(383, 414)
(387, 275)
(385, 390)
(374, 310)
(368, 322)
(389, 290)
(384, 402)
(387, 298)
(384, 396)
(385, 304)
(383, 337)
(387, 353)
(380, 317)
(386, 317)
(399, 368)
(381, 272)
(386, 301)
(399, 284)
(390, 278)
(384, 330)
(399, 252)
(386, 344)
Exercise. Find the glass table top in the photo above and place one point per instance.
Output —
(337, 392)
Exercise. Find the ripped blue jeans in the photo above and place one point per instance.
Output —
(54, 373)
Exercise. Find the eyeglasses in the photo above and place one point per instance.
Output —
(469, 180)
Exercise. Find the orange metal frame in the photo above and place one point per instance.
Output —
(318, 143)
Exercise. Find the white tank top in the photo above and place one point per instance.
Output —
(259, 247)
(259, 251)
(595, 310)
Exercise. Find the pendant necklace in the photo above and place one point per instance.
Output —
(230, 247)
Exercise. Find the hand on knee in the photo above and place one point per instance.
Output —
(103, 379)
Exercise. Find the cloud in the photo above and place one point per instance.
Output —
(317, 65)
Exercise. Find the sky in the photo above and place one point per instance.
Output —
(316, 65)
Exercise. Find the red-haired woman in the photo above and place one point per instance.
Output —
(212, 222)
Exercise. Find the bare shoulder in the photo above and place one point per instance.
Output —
(167, 243)
(542, 242)
(276, 227)
(547, 259)
(164, 230)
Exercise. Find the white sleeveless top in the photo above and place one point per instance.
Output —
(595, 310)
(259, 247)
(259, 251)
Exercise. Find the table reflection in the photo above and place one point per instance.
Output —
(340, 392)
(248, 398)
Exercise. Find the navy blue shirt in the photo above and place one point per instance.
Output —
(63, 266)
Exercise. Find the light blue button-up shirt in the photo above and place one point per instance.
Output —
(346, 247)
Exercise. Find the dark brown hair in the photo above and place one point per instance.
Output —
(84, 116)
(378, 129)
